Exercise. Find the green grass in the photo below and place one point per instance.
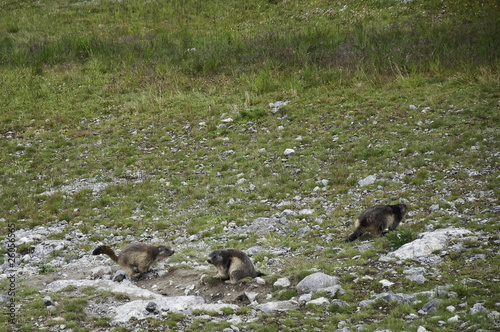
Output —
(133, 93)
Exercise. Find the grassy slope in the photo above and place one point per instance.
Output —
(110, 89)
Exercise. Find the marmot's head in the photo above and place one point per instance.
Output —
(402, 209)
(165, 251)
(217, 257)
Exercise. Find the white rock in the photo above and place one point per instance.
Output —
(306, 212)
(289, 152)
(429, 242)
(260, 281)
(320, 301)
(315, 281)
(454, 319)
(367, 181)
(386, 283)
(277, 306)
(251, 296)
(282, 282)
(305, 298)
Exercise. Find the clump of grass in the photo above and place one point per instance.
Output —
(400, 237)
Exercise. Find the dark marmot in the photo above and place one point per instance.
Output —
(378, 219)
(137, 255)
(232, 264)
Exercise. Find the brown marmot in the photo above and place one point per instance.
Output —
(136, 255)
(232, 264)
(378, 219)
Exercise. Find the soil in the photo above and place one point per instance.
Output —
(178, 281)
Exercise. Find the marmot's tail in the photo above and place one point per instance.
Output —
(107, 251)
(260, 274)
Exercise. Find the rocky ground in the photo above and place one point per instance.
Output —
(187, 286)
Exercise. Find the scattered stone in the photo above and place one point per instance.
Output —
(339, 303)
(260, 281)
(418, 278)
(370, 179)
(47, 301)
(477, 308)
(386, 283)
(277, 306)
(100, 271)
(254, 250)
(251, 296)
(119, 276)
(305, 298)
(431, 306)
(289, 152)
(429, 242)
(151, 307)
(400, 298)
(332, 291)
(315, 281)
(454, 319)
(319, 301)
(282, 282)
(277, 105)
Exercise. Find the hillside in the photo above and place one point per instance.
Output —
(265, 126)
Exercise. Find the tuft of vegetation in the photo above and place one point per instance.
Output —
(400, 237)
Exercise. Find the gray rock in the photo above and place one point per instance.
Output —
(429, 242)
(277, 105)
(303, 231)
(401, 298)
(178, 304)
(344, 329)
(287, 213)
(251, 296)
(305, 298)
(422, 329)
(3, 298)
(365, 303)
(431, 306)
(119, 276)
(151, 307)
(277, 306)
(282, 282)
(418, 278)
(319, 301)
(339, 303)
(289, 152)
(254, 250)
(306, 212)
(315, 281)
(100, 271)
(47, 301)
(477, 308)
(332, 291)
(367, 181)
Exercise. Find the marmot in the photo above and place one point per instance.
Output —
(378, 219)
(137, 255)
(232, 264)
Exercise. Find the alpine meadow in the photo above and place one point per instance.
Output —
(264, 126)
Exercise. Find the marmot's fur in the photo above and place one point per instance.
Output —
(378, 219)
(232, 264)
(137, 255)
